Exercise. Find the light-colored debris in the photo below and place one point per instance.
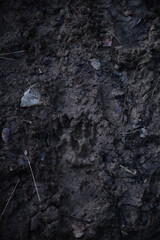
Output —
(31, 97)
(95, 63)
(78, 230)
(107, 42)
(144, 133)
(129, 171)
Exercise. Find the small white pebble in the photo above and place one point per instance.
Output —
(144, 133)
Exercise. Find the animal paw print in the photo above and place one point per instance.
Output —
(83, 137)
(58, 133)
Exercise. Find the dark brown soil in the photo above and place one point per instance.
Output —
(94, 143)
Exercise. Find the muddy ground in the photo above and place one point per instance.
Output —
(94, 142)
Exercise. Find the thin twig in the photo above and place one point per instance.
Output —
(32, 176)
(9, 199)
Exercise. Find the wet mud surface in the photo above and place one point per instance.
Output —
(94, 142)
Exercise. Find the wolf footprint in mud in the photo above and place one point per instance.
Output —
(82, 137)
(58, 131)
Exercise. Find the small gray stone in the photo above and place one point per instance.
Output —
(31, 98)
(95, 63)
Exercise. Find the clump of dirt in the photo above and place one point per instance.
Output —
(94, 141)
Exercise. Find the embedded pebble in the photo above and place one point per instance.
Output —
(42, 157)
(48, 138)
(122, 18)
(22, 161)
(95, 63)
(144, 133)
(6, 134)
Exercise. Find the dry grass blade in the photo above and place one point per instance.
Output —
(3, 55)
(127, 170)
(6, 54)
(34, 181)
(5, 58)
(9, 199)
(115, 37)
(147, 94)
(27, 121)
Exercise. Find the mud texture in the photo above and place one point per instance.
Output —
(94, 143)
